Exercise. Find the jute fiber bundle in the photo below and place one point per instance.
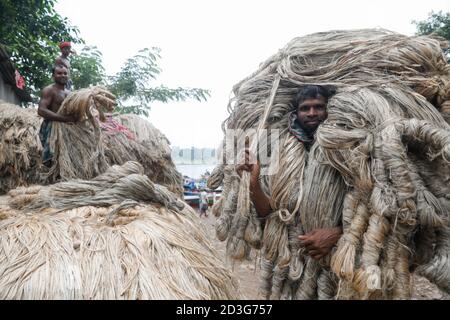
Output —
(118, 236)
(153, 152)
(379, 167)
(78, 148)
(20, 147)
(83, 151)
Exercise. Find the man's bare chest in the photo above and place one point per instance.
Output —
(58, 99)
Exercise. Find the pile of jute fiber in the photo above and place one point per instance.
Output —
(150, 147)
(379, 167)
(20, 148)
(117, 236)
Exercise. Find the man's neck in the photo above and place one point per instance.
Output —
(60, 86)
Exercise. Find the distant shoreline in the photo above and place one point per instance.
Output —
(195, 164)
(194, 171)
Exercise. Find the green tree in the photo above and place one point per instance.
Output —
(131, 84)
(31, 31)
(436, 23)
(87, 68)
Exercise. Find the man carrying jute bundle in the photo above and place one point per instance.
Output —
(378, 168)
(311, 102)
(51, 100)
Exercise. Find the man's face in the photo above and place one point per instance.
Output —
(311, 113)
(61, 76)
(66, 51)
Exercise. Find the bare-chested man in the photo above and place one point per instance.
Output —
(63, 59)
(51, 100)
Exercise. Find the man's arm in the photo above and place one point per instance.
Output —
(257, 195)
(45, 112)
(259, 198)
(318, 242)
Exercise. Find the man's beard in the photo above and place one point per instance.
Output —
(310, 131)
(61, 82)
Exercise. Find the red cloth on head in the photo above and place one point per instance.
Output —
(20, 81)
(65, 44)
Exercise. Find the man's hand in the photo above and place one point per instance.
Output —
(259, 198)
(319, 242)
(70, 118)
(249, 164)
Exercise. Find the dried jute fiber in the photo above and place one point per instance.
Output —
(118, 236)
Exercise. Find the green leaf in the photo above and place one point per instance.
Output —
(436, 23)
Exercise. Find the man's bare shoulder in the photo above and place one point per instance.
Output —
(49, 90)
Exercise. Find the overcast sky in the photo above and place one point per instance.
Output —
(214, 44)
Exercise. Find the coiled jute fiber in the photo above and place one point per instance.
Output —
(117, 236)
(379, 167)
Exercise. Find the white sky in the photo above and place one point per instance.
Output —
(214, 44)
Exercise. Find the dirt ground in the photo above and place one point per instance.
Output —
(247, 273)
